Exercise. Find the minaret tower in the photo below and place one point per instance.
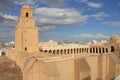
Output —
(26, 32)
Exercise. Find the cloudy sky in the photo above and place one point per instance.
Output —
(73, 20)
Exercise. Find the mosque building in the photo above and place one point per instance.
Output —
(67, 62)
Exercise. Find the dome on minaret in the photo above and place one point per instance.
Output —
(25, 6)
(114, 37)
(26, 11)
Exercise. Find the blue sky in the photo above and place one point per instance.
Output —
(73, 20)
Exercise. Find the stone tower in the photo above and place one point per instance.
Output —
(26, 32)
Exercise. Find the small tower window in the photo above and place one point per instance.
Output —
(25, 48)
(27, 14)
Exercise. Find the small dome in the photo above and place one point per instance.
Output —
(114, 37)
(25, 6)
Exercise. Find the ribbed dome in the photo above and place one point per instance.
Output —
(114, 37)
(25, 6)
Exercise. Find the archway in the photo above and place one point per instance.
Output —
(3, 54)
(68, 51)
(93, 50)
(80, 50)
(96, 50)
(112, 48)
(106, 50)
(57, 51)
(27, 14)
(77, 51)
(71, 51)
(53, 51)
(61, 51)
(45, 51)
(25, 48)
(90, 50)
(50, 51)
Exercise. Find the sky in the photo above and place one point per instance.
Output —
(73, 20)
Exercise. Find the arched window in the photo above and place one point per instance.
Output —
(27, 14)
(25, 48)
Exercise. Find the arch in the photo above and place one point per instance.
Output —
(74, 51)
(77, 50)
(53, 51)
(45, 51)
(80, 50)
(64, 51)
(68, 51)
(57, 51)
(50, 51)
(61, 51)
(90, 50)
(25, 48)
(3, 54)
(26, 14)
(112, 48)
(93, 50)
(87, 50)
(106, 50)
(99, 50)
(41, 50)
(96, 50)
(103, 51)
(71, 51)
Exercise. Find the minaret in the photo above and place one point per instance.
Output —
(26, 32)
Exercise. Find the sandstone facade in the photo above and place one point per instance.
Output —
(26, 32)
(61, 63)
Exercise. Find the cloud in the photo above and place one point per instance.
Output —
(90, 36)
(91, 4)
(34, 2)
(5, 35)
(7, 5)
(100, 15)
(7, 16)
(59, 17)
(94, 5)
(45, 29)
(84, 1)
(8, 20)
(54, 2)
(111, 23)
(119, 4)
(29, 2)
(6, 32)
